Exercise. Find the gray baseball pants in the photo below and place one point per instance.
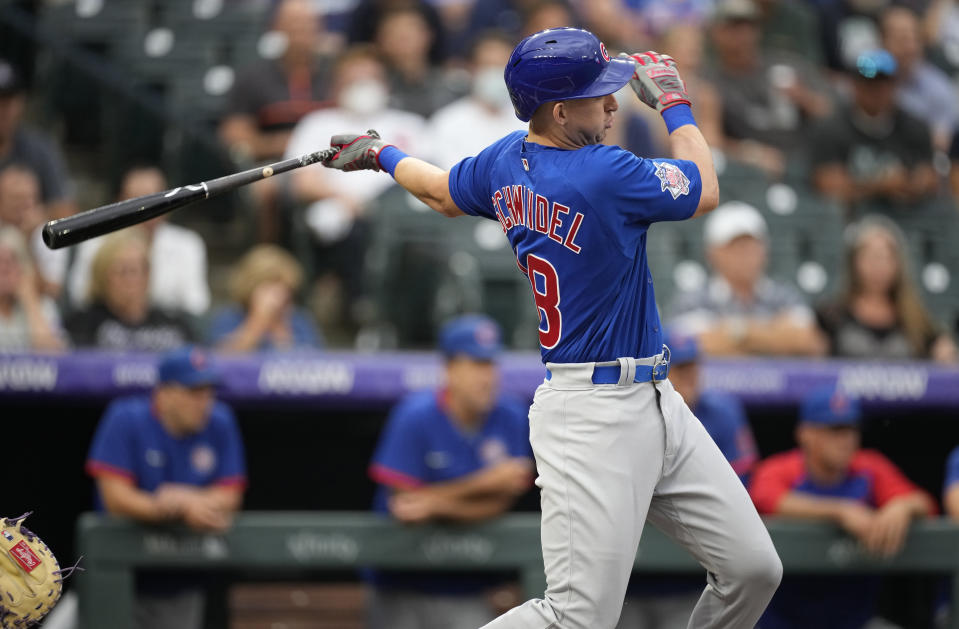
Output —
(609, 458)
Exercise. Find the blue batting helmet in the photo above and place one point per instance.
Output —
(560, 64)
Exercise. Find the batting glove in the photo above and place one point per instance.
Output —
(656, 80)
(356, 152)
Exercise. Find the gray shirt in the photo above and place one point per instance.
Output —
(695, 312)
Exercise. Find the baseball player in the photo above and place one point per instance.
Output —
(614, 443)
(173, 456)
(458, 454)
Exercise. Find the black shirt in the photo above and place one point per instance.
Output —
(97, 327)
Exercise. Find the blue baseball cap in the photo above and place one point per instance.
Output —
(188, 366)
(476, 336)
(683, 348)
(828, 406)
(876, 64)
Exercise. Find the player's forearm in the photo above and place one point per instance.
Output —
(491, 481)
(951, 501)
(687, 142)
(226, 499)
(474, 509)
(130, 502)
(428, 183)
(799, 505)
(917, 503)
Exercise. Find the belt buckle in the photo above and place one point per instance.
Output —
(660, 369)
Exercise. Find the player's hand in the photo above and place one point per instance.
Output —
(356, 152)
(268, 302)
(656, 80)
(889, 529)
(515, 475)
(200, 514)
(413, 507)
(857, 519)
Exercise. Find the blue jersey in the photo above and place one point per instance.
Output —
(131, 442)
(420, 444)
(952, 469)
(725, 420)
(577, 221)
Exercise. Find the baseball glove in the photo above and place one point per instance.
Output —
(30, 577)
(656, 80)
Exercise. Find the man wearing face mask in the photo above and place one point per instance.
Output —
(335, 201)
(475, 121)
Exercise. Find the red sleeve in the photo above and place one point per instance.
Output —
(888, 481)
(774, 478)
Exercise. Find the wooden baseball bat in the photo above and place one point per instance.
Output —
(110, 218)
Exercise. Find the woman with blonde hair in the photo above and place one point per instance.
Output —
(28, 319)
(264, 316)
(879, 313)
(120, 315)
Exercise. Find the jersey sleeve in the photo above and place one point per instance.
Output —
(735, 439)
(519, 445)
(231, 467)
(399, 461)
(112, 452)
(645, 190)
(772, 480)
(469, 181)
(888, 481)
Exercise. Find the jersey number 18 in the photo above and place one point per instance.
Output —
(543, 276)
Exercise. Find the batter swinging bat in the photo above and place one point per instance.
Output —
(110, 218)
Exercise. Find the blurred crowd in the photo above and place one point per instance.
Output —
(853, 103)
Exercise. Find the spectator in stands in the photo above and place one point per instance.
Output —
(950, 494)
(666, 601)
(767, 99)
(872, 151)
(402, 39)
(21, 207)
(264, 315)
(791, 27)
(830, 478)
(270, 97)
(267, 101)
(461, 454)
(368, 14)
(468, 125)
(175, 455)
(28, 319)
(922, 90)
(335, 234)
(741, 311)
(21, 144)
(878, 313)
(178, 266)
(120, 315)
(517, 17)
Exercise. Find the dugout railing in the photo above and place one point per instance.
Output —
(278, 542)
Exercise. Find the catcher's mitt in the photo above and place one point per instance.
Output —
(30, 577)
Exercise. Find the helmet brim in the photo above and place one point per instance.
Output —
(613, 77)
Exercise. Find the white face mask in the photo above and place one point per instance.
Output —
(490, 88)
(365, 97)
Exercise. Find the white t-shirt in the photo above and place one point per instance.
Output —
(178, 271)
(401, 128)
(465, 127)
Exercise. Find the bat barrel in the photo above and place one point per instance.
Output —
(110, 218)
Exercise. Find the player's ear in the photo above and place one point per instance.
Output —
(559, 112)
